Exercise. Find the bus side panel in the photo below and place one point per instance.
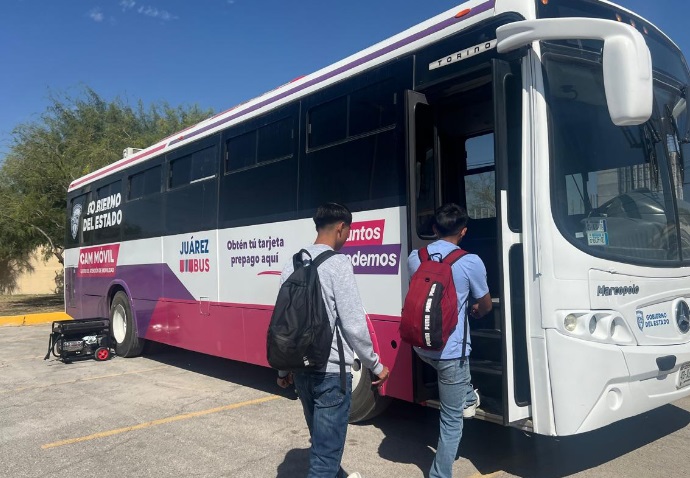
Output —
(396, 355)
(217, 330)
(255, 328)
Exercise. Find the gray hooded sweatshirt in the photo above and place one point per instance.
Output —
(341, 296)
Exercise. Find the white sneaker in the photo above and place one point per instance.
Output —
(471, 410)
(356, 474)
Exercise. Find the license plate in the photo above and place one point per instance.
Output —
(684, 375)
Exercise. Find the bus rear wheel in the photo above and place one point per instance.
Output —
(366, 401)
(122, 327)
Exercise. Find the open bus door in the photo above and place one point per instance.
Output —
(464, 146)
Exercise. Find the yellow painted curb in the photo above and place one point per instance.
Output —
(33, 319)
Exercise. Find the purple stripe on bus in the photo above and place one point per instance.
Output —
(145, 283)
(394, 46)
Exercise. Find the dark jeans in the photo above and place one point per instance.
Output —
(326, 409)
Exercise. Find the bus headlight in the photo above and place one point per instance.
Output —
(570, 322)
(683, 316)
(593, 325)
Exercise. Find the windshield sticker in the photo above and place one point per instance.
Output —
(463, 54)
(597, 234)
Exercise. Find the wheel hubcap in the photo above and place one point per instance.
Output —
(119, 323)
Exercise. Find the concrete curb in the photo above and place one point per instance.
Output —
(33, 319)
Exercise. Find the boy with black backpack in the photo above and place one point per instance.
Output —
(451, 359)
(322, 379)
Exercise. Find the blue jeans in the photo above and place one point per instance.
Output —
(327, 410)
(454, 387)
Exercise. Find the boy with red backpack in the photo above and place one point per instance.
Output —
(457, 396)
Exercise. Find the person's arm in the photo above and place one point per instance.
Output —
(413, 262)
(353, 322)
(482, 307)
(479, 289)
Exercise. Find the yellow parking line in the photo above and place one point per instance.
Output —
(490, 475)
(33, 319)
(81, 380)
(161, 421)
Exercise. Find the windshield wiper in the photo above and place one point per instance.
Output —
(650, 137)
(679, 108)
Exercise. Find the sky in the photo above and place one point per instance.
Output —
(214, 53)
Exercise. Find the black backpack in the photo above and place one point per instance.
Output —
(299, 334)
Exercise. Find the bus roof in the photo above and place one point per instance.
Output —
(437, 27)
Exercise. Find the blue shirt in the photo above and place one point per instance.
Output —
(469, 276)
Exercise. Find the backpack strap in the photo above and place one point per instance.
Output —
(451, 259)
(298, 261)
(454, 256)
(323, 257)
(423, 254)
(341, 358)
(467, 327)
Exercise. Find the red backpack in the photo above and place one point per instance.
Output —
(430, 311)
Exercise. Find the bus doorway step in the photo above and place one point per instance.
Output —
(482, 413)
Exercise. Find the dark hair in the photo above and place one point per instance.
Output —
(450, 219)
(331, 213)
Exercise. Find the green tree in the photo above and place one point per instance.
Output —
(73, 137)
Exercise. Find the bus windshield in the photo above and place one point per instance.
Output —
(619, 192)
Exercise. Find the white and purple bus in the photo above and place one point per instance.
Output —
(561, 125)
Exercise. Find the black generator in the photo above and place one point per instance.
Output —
(78, 339)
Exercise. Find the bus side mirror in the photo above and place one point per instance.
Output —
(626, 59)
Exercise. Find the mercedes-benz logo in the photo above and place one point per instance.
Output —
(683, 316)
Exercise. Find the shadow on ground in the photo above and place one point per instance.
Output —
(411, 433)
(247, 375)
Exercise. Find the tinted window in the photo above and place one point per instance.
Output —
(180, 171)
(204, 164)
(260, 184)
(365, 173)
(328, 123)
(108, 213)
(193, 167)
(275, 141)
(145, 183)
(75, 220)
(372, 108)
(241, 151)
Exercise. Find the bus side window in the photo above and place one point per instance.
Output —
(107, 221)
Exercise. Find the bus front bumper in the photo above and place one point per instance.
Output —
(596, 384)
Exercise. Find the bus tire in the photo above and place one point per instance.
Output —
(122, 327)
(366, 402)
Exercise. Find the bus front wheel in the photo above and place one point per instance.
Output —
(366, 401)
(122, 327)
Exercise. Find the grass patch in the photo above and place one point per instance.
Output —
(30, 304)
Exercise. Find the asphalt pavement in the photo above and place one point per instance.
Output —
(174, 413)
